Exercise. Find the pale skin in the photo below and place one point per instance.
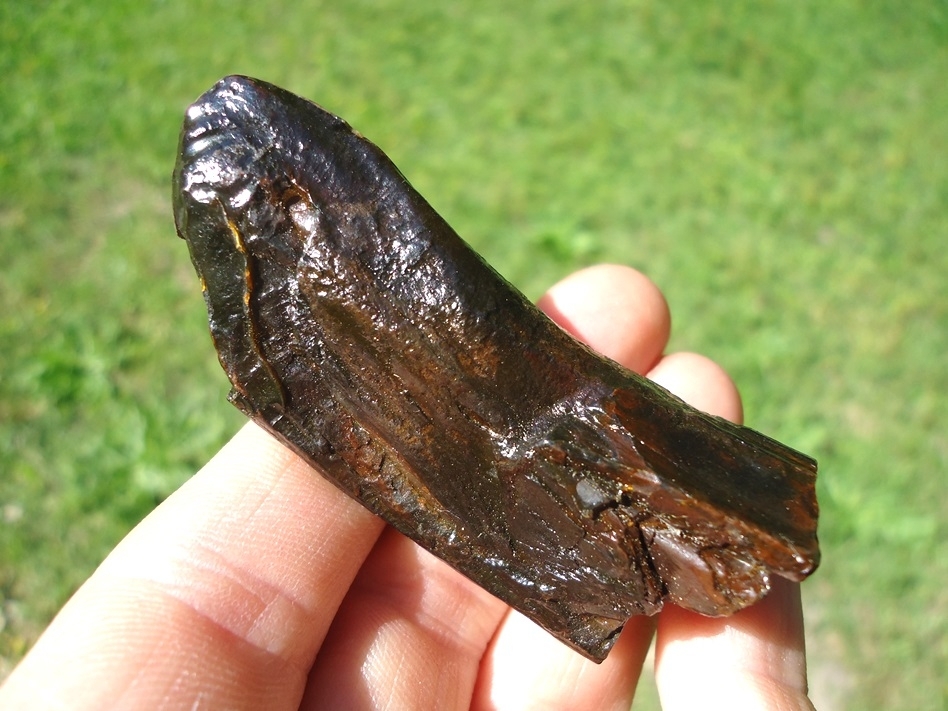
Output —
(259, 585)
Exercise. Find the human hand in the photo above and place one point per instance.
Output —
(260, 585)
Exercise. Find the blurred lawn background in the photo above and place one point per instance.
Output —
(779, 167)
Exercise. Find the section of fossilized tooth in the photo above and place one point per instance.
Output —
(358, 328)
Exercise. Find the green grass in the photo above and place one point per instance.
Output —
(777, 167)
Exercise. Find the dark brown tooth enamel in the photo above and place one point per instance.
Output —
(357, 327)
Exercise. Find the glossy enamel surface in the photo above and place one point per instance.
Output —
(357, 327)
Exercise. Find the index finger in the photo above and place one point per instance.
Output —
(754, 659)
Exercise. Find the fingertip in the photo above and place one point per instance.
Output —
(701, 383)
(753, 659)
(614, 309)
(526, 667)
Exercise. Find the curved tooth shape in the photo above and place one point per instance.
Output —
(357, 327)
